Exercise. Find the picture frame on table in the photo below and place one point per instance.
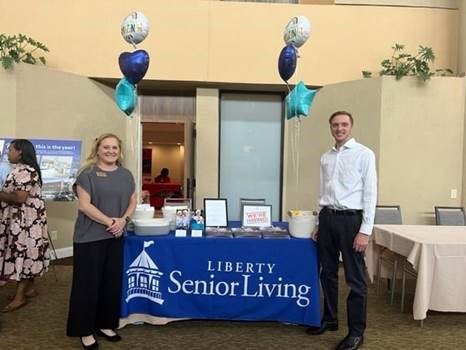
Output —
(215, 212)
(243, 201)
(197, 219)
(256, 215)
(182, 219)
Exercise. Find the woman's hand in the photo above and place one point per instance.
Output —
(117, 226)
(15, 197)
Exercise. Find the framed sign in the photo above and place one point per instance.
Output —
(256, 215)
(249, 201)
(215, 212)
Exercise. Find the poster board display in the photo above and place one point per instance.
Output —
(59, 162)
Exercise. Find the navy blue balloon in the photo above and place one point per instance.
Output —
(287, 62)
(134, 65)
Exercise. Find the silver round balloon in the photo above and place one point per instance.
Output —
(297, 31)
(135, 27)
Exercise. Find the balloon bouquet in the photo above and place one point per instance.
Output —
(133, 65)
(299, 99)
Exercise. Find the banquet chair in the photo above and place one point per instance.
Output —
(407, 270)
(388, 215)
(252, 200)
(453, 216)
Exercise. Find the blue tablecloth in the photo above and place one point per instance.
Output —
(221, 278)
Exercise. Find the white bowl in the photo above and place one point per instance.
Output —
(143, 214)
(151, 227)
(301, 226)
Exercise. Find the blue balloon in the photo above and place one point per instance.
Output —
(299, 101)
(125, 96)
(134, 65)
(287, 62)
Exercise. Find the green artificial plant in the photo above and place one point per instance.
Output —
(19, 48)
(402, 64)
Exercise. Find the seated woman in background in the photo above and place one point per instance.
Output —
(163, 177)
(23, 223)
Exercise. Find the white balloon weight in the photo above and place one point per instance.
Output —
(297, 31)
(135, 27)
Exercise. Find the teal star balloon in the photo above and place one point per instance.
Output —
(126, 96)
(299, 101)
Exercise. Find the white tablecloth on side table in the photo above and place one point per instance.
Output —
(437, 253)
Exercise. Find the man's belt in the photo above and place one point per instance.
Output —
(331, 211)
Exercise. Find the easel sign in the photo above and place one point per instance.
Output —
(215, 212)
(256, 215)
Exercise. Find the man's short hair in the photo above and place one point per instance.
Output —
(334, 114)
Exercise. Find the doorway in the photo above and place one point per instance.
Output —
(166, 149)
(167, 142)
(163, 147)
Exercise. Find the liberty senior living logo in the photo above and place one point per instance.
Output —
(143, 277)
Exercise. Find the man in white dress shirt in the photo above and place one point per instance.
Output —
(348, 196)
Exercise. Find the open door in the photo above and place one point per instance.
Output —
(189, 152)
(163, 148)
(168, 132)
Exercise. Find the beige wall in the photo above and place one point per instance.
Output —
(415, 130)
(333, 53)
(317, 2)
(362, 99)
(421, 152)
(207, 145)
(462, 69)
(8, 103)
(237, 42)
(227, 42)
(415, 3)
(463, 200)
(462, 38)
(56, 105)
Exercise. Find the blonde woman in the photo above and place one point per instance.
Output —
(106, 199)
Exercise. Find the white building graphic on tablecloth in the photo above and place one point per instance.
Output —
(143, 278)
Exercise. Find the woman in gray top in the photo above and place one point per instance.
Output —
(106, 199)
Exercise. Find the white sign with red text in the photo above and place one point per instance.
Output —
(257, 215)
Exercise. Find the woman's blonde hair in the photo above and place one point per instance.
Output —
(91, 160)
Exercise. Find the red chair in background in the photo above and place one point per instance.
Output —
(160, 191)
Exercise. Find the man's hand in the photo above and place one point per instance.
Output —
(360, 242)
(314, 233)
